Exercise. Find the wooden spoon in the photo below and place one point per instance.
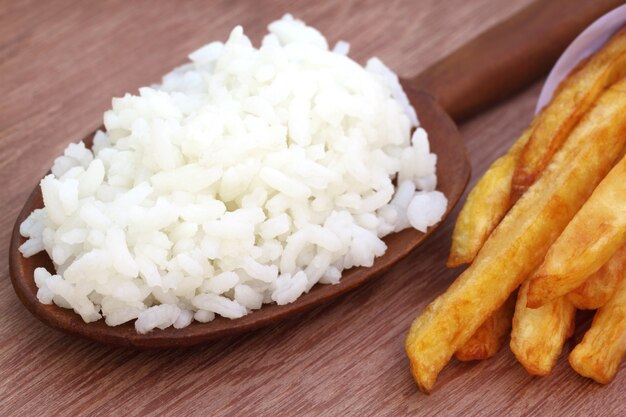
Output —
(495, 65)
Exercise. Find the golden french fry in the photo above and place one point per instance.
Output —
(600, 286)
(603, 347)
(485, 206)
(571, 101)
(511, 175)
(490, 336)
(587, 243)
(518, 245)
(538, 334)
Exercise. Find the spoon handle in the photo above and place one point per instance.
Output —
(508, 57)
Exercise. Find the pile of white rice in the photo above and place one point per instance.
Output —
(246, 177)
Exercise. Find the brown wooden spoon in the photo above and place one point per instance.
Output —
(492, 67)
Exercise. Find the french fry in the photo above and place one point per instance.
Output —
(511, 175)
(571, 101)
(603, 347)
(538, 334)
(490, 336)
(587, 243)
(518, 245)
(600, 286)
(485, 206)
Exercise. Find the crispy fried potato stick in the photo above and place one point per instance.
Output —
(571, 101)
(587, 243)
(511, 175)
(490, 336)
(600, 286)
(519, 243)
(486, 204)
(603, 347)
(538, 334)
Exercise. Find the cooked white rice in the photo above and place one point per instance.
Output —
(246, 177)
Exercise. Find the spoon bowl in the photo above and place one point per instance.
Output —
(453, 170)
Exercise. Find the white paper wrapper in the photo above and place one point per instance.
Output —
(584, 45)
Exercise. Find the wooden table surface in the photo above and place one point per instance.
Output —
(62, 61)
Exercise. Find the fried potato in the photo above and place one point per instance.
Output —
(571, 101)
(490, 336)
(587, 243)
(511, 175)
(600, 286)
(603, 347)
(518, 245)
(485, 206)
(538, 334)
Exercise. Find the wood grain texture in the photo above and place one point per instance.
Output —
(62, 61)
(509, 56)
